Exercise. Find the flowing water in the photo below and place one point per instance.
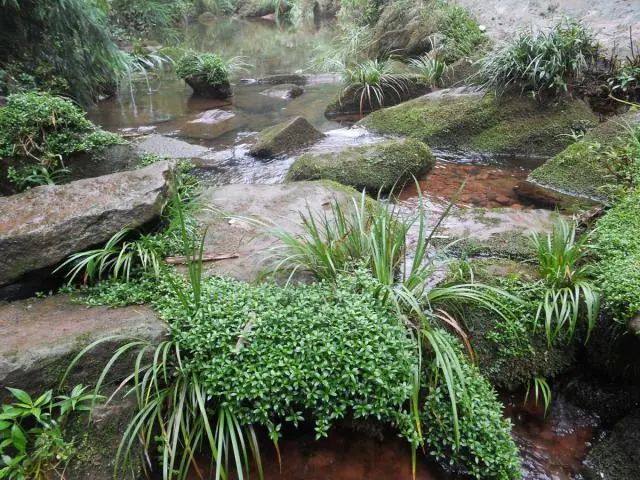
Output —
(552, 447)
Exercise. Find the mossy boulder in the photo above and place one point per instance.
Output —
(203, 88)
(285, 137)
(376, 167)
(351, 101)
(508, 351)
(470, 120)
(582, 168)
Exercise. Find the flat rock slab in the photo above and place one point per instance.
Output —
(284, 91)
(45, 334)
(41, 227)
(279, 204)
(171, 147)
(211, 124)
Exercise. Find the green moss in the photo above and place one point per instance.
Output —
(590, 168)
(512, 244)
(484, 123)
(376, 167)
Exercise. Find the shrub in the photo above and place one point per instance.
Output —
(45, 129)
(462, 33)
(430, 69)
(373, 80)
(209, 65)
(486, 449)
(546, 62)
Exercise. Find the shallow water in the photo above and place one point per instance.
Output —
(552, 448)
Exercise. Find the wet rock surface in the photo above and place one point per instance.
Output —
(171, 147)
(202, 88)
(284, 91)
(246, 243)
(210, 124)
(43, 226)
(284, 78)
(285, 137)
(47, 333)
(377, 167)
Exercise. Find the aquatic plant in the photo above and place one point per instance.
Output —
(549, 62)
(32, 441)
(568, 280)
(373, 81)
(485, 449)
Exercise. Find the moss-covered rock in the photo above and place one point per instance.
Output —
(285, 137)
(375, 167)
(582, 169)
(351, 100)
(508, 351)
(457, 118)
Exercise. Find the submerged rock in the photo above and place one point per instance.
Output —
(283, 78)
(615, 457)
(284, 91)
(285, 137)
(473, 121)
(243, 246)
(581, 170)
(41, 227)
(376, 167)
(210, 124)
(351, 101)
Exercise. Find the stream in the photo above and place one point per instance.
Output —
(552, 447)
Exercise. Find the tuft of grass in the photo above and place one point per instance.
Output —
(567, 277)
(541, 388)
(430, 68)
(549, 62)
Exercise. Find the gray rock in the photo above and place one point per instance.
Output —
(171, 147)
(284, 91)
(210, 124)
(202, 88)
(41, 227)
(116, 158)
(47, 333)
(285, 137)
(280, 204)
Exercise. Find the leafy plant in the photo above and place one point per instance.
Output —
(36, 175)
(430, 69)
(540, 389)
(463, 36)
(485, 449)
(32, 442)
(560, 255)
(373, 81)
(211, 66)
(544, 62)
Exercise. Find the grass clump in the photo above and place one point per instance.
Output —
(486, 449)
(207, 65)
(545, 63)
(463, 36)
(39, 131)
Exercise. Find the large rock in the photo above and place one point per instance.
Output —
(171, 147)
(284, 91)
(376, 167)
(351, 101)
(582, 169)
(203, 88)
(615, 457)
(41, 227)
(210, 124)
(47, 333)
(473, 121)
(285, 137)
(245, 244)
(284, 78)
(45, 336)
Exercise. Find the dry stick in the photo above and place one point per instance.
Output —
(207, 257)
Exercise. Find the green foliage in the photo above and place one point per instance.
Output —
(545, 62)
(486, 449)
(542, 389)
(35, 175)
(567, 277)
(617, 266)
(373, 80)
(64, 45)
(430, 69)
(157, 18)
(32, 442)
(461, 30)
(209, 65)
